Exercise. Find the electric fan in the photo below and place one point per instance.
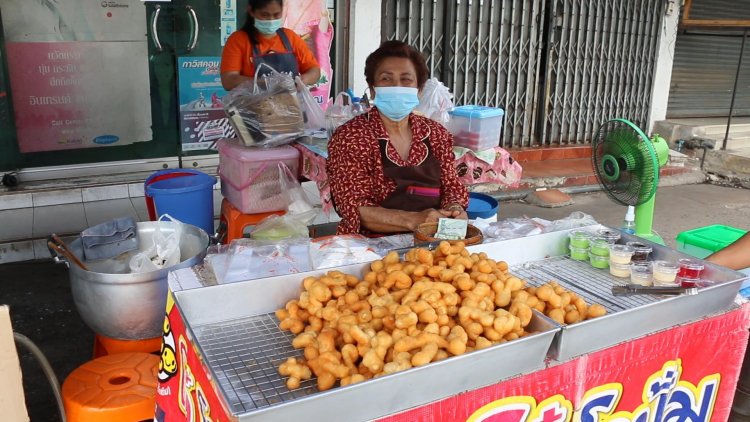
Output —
(627, 165)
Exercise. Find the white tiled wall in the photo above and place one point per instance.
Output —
(26, 219)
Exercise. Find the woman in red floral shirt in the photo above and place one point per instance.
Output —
(389, 169)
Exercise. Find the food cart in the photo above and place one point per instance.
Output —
(651, 358)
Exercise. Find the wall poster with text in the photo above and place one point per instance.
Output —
(202, 117)
(78, 73)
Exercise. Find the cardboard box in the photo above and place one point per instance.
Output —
(11, 388)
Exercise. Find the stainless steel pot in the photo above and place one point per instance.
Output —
(117, 304)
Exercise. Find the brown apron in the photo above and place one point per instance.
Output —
(417, 187)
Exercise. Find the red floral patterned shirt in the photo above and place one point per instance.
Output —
(355, 167)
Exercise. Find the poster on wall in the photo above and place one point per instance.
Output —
(78, 73)
(310, 19)
(227, 19)
(202, 117)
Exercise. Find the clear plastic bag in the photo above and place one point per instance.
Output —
(265, 117)
(249, 259)
(314, 116)
(435, 102)
(164, 252)
(335, 251)
(338, 113)
(574, 220)
(511, 228)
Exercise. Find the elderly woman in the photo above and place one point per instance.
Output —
(391, 170)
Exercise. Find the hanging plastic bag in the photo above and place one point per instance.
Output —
(164, 250)
(435, 102)
(299, 211)
(265, 112)
(338, 113)
(314, 116)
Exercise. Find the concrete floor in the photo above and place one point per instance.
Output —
(42, 308)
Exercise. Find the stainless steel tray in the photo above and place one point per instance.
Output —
(628, 317)
(241, 345)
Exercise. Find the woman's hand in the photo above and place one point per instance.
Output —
(455, 211)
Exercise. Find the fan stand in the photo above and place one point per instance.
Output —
(644, 220)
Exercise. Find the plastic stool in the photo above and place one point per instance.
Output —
(104, 346)
(235, 221)
(113, 388)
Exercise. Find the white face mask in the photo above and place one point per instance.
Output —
(267, 27)
(396, 102)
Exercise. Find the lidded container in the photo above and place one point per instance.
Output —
(579, 254)
(250, 176)
(476, 127)
(579, 239)
(665, 273)
(612, 236)
(599, 246)
(641, 251)
(641, 273)
(619, 270)
(690, 272)
(597, 261)
(620, 254)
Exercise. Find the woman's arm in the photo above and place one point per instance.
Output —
(735, 256)
(232, 57)
(384, 220)
(311, 77)
(229, 80)
(455, 197)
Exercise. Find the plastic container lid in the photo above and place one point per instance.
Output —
(481, 205)
(239, 152)
(713, 238)
(476, 112)
(612, 236)
(620, 250)
(666, 267)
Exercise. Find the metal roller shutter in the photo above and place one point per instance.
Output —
(703, 76)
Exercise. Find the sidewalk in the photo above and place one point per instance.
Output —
(42, 308)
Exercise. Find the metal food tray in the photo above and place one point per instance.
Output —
(539, 259)
(241, 347)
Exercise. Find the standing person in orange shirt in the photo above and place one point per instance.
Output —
(263, 40)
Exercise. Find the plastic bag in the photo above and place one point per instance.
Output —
(249, 259)
(265, 117)
(574, 220)
(314, 116)
(511, 228)
(435, 102)
(164, 252)
(338, 113)
(297, 201)
(335, 251)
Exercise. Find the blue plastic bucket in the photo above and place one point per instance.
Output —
(481, 206)
(188, 197)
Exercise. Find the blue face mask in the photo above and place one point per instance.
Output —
(395, 102)
(267, 27)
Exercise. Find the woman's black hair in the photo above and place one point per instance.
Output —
(249, 25)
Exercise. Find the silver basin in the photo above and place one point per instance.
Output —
(117, 304)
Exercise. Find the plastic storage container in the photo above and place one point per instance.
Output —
(188, 197)
(704, 241)
(476, 127)
(579, 239)
(665, 273)
(640, 273)
(620, 254)
(250, 176)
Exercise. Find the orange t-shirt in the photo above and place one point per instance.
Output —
(238, 52)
